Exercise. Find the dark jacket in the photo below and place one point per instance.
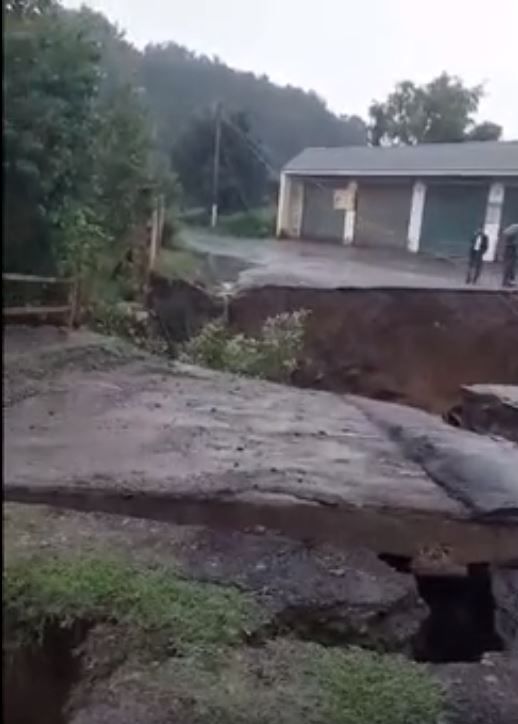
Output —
(484, 242)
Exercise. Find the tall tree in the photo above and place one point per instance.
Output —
(76, 136)
(50, 83)
(243, 173)
(123, 147)
(440, 111)
(182, 85)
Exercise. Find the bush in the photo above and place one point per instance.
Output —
(194, 217)
(258, 224)
(131, 322)
(273, 355)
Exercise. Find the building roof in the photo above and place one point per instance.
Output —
(483, 158)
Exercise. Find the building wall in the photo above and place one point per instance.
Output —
(383, 213)
(290, 206)
(436, 216)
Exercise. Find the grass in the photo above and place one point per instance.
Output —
(178, 263)
(288, 682)
(199, 663)
(39, 590)
(253, 224)
(364, 687)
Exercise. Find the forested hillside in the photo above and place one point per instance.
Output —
(180, 84)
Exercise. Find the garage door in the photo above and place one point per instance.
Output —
(510, 210)
(382, 215)
(320, 220)
(452, 213)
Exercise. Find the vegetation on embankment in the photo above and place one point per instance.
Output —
(40, 589)
(196, 632)
(272, 354)
(251, 224)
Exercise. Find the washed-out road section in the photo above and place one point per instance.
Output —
(94, 425)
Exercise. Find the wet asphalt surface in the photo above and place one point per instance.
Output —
(328, 265)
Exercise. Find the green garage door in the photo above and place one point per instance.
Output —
(320, 220)
(451, 215)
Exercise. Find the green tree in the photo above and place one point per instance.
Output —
(181, 85)
(51, 77)
(123, 147)
(243, 173)
(440, 111)
(76, 137)
(485, 131)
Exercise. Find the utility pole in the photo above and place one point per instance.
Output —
(215, 170)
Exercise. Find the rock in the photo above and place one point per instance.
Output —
(480, 694)
(491, 410)
(504, 582)
(323, 593)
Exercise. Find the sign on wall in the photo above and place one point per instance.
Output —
(343, 199)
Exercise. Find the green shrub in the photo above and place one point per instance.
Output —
(131, 322)
(194, 217)
(258, 224)
(273, 355)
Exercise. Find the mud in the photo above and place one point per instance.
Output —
(277, 491)
(313, 594)
(414, 346)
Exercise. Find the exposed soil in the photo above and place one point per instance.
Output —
(312, 594)
(407, 345)
(39, 675)
(414, 346)
(279, 493)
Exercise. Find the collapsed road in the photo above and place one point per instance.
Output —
(351, 521)
(95, 427)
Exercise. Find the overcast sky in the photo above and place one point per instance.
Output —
(348, 51)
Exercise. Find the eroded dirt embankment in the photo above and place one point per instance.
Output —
(416, 346)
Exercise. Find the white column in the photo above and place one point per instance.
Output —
(495, 204)
(350, 212)
(296, 206)
(416, 216)
(283, 204)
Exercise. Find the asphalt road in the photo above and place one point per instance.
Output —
(320, 264)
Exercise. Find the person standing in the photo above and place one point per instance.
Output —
(510, 239)
(477, 249)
